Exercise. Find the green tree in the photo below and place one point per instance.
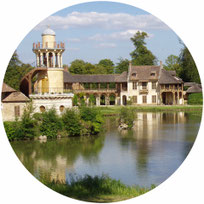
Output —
(141, 55)
(108, 65)
(88, 68)
(122, 65)
(77, 66)
(15, 71)
(172, 64)
(189, 70)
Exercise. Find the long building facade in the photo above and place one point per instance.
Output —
(55, 86)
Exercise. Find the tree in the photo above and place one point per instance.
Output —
(122, 65)
(189, 70)
(108, 65)
(77, 66)
(172, 64)
(15, 71)
(141, 55)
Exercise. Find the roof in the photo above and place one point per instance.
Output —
(166, 77)
(94, 78)
(189, 84)
(144, 72)
(194, 89)
(7, 88)
(16, 97)
(48, 31)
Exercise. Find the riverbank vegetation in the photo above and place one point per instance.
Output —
(195, 99)
(96, 189)
(73, 122)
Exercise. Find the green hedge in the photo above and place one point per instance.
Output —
(195, 99)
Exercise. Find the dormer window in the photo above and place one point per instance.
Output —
(134, 74)
(153, 74)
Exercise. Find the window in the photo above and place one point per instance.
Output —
(61, 108)
(153, 74)
(17, 111)
(134, 74)
(153, 85)
(154, 99)
(134, 85)
(144, 99)
(42, 109)
(134, 99)
(144, 85)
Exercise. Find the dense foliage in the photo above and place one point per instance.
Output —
(189, 71)
(73, 122)
(126, 116)
(96, 189)
(195, 99)
(15, 71)
(141, 55)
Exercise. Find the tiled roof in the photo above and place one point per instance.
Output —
(167, 78)
(7, 88)
(144, 72)
(194, 89)
(94, 78)
(16, 97)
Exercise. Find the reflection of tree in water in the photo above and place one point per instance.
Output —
(42, 159)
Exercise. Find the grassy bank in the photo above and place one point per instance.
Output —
(97, 189)
(115, 110)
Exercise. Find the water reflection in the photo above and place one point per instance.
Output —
(148, 154)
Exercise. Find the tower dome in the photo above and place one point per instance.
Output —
(48, 31)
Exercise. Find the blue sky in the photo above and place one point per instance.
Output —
(99, 30)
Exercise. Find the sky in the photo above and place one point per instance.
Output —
(102, 30)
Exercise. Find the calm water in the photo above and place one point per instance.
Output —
(146, 155)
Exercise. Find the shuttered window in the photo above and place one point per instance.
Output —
(134, 99)
(144, 99)
(17, 111)
(153, 99)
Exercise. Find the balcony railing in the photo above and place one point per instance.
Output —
(54, 45)
(174, 88)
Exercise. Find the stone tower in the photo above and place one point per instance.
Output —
(49, 56)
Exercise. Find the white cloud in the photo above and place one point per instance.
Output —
(123, 35)
(103, 20)
(106, 45)
(73, 40)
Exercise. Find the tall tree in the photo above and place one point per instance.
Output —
(15, 71)
(108, 65)
(122, 65)
(77, 66)
(172, 63)
(141, 55)
(189, 70)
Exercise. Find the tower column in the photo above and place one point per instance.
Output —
(47, 56)
(41, 59)
(58, 59)
(61, 65)
(37, 59)
(53, 58)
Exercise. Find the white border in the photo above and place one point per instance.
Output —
(19, 17)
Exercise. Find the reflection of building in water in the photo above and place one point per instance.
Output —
(173, 117)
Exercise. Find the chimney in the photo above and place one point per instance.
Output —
(66, 68)
(161, 65)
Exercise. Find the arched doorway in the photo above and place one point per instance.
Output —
(167, 98)
(124, 100)
(112, 99)
(42, 109)
(92, 100)
(103, 100)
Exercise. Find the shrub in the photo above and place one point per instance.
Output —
(71, 122)
(195, 99)
(51, 124)
(126, 116)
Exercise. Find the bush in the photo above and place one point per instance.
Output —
(71, 122)
(195, 99)
(51, 124)
(126, 116)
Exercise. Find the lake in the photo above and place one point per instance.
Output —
(147, 154)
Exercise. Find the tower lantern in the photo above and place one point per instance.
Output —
(49, 60)
(49, 52)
